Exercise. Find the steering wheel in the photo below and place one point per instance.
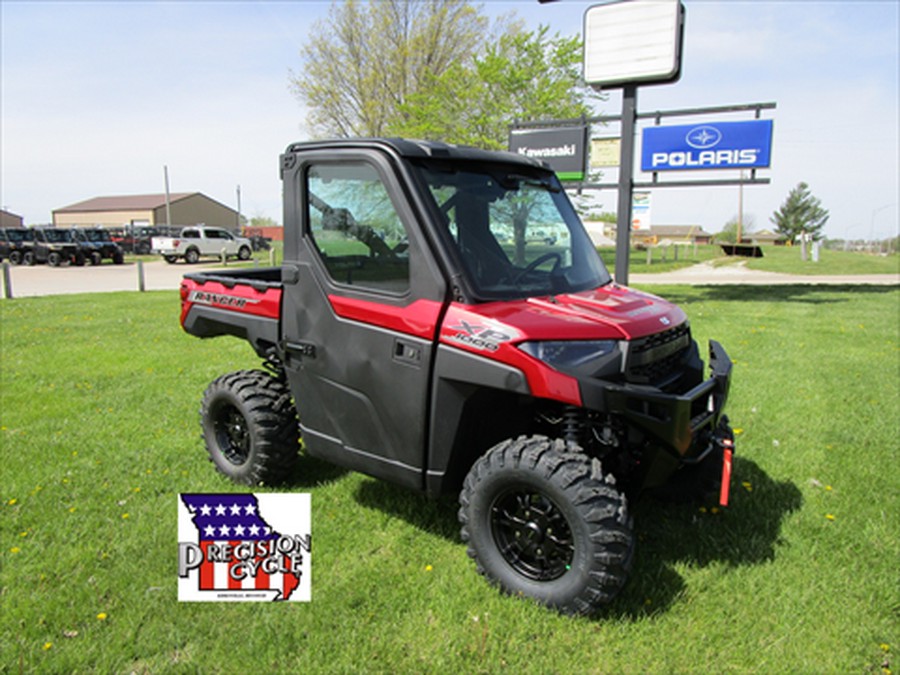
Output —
(537, 262)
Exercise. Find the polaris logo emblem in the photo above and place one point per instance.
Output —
(664, 320)
(703, 137)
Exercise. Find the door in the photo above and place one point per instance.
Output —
(361, 304)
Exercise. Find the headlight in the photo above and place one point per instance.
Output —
(570, 354)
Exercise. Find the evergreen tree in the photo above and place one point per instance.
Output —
(800, 212)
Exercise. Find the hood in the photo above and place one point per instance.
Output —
(611, 312)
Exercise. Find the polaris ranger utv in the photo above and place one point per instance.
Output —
(442, 321)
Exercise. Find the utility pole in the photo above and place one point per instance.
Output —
(168, 206)
(239, 209)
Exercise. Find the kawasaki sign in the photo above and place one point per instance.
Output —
(713, 145)
(563, 148)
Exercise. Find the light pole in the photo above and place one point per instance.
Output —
(872, 225)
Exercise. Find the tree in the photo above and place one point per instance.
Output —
(263, 221)
(729, 233)
(434, 70)
(800, 212)
(363, 62)
(524, 75)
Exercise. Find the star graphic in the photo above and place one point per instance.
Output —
(224, 530)
(235, 509)
(220, 510)
(205, 510)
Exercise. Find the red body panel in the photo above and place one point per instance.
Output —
(418, 318)
(492, 330)
(241, 298)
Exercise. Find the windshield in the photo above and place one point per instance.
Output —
(97, 235)
(20, 235)
(58, 236)
(515, 230)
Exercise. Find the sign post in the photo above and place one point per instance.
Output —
(628, 43)
(626, 183)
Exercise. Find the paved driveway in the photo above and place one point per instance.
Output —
(159, 275)
(45, 280)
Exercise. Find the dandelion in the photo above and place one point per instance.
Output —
(829, 516)
(828, 488)
(738, 431)
(15, 549)
(101, 616)
(428, 568)
(885, 647)
(71, 509)
(12, 502)
(747, 485)
(124, 516)
(24, 533)
(47, 645)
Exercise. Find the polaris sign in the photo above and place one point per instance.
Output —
(714, 145)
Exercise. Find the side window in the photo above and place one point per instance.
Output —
(355, 228)
(190, 234)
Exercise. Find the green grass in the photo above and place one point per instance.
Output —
(661, 259)
(99, 433)
(787, 259)
(783, 259)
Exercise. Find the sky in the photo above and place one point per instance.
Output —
(97, 97)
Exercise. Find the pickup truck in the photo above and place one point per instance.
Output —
(196, 242)
(442, 321)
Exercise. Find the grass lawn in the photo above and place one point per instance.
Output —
(99, 399)
(787, 259)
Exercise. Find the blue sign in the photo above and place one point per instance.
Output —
(711, 145)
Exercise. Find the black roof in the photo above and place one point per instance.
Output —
(423, 149)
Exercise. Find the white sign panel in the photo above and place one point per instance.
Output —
(633, 41)
(640, 212)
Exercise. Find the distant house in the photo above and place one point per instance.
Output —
(680, 234)
(186, 208)
(663, 234)
(764, 238)
(8, 219)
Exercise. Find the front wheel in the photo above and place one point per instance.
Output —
(244, 253)
(250, 427)
(544, 522)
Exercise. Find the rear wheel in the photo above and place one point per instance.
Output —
(544, 522)
(191, 256)
(171, 259)
(15, 257)
(250, 427)
(54, 259)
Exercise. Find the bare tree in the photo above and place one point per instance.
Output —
(364, 61)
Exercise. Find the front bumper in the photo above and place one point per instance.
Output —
(674, 420)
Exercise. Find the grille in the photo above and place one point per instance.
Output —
(656, 358)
